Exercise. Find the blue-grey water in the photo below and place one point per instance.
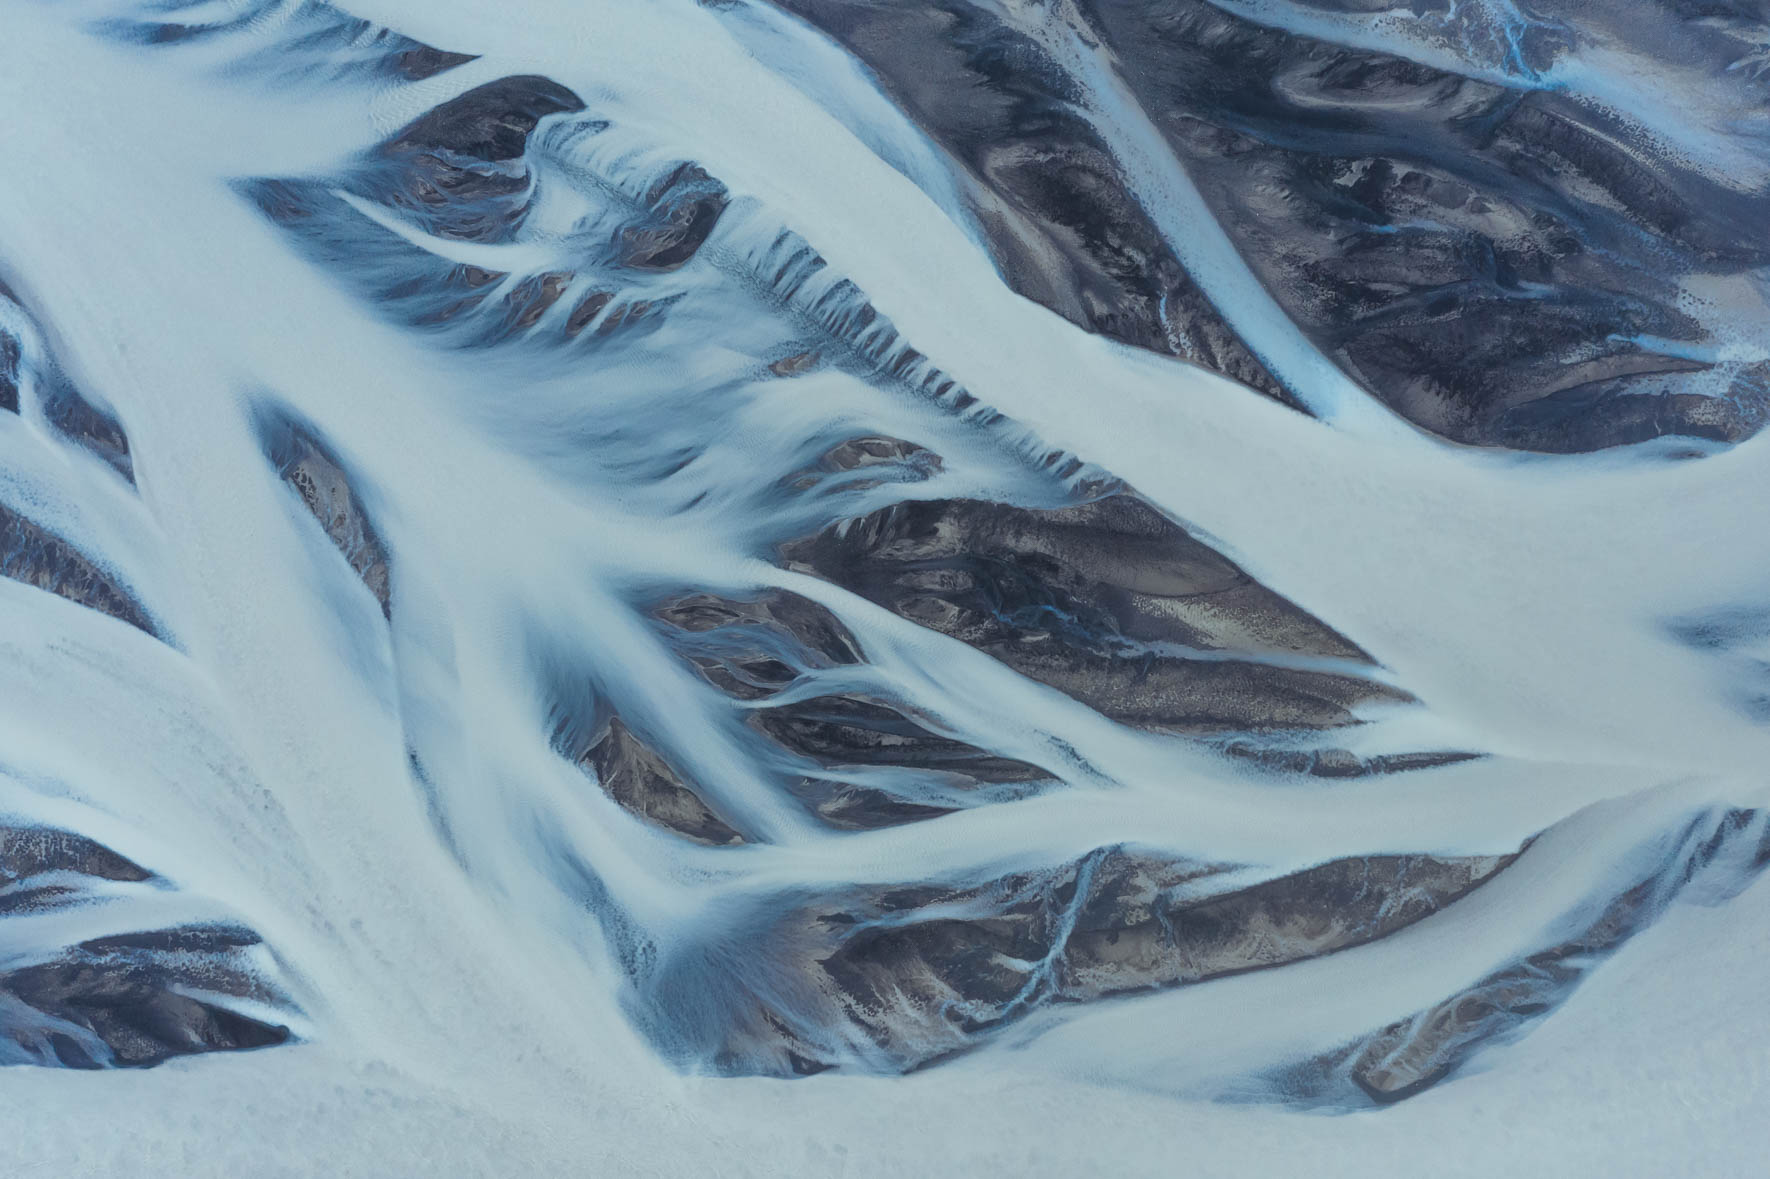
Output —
(865, 587)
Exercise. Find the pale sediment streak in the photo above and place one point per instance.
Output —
(536, 575)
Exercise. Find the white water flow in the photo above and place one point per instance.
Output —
(486, 964)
